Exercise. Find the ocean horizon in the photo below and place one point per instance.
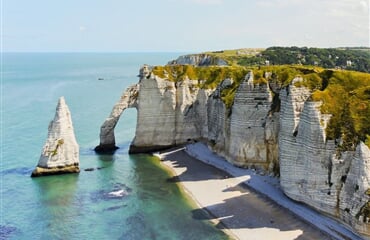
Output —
(126, 196)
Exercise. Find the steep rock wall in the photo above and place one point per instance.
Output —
(217, 120)
(355, 194)
(246, 134)
(172, 113)
(312, 170)
(247, 143)
(169, 113)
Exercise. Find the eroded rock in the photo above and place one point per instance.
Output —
(60, 153)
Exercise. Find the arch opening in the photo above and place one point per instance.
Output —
(107, 135)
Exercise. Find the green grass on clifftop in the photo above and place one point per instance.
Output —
(346, 97)
(209, 77)
(357, 59)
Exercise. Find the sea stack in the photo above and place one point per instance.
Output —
(60, 153)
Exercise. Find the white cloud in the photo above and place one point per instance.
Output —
(82, 28)
(316, 22)
(347, 8)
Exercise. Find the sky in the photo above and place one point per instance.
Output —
(180, 25)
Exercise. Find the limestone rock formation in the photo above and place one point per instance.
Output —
(246, 134)
(198, 60)
(313, 171)
(354, 198)
(128, 99)
(252, 116)
(278, 130)
(168, 113)
(60, 153)
(172, 113)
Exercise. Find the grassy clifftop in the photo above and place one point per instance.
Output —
(347, 97)
(357, 59)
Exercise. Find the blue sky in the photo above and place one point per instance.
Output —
(181, 25)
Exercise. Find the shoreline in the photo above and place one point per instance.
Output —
(171, 168)
(231, 195)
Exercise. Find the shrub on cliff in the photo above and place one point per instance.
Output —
(347, 98)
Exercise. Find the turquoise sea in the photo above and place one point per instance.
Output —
(79, 206)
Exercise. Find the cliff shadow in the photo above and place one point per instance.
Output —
(238, 206)
(257, 215)
(195, 170)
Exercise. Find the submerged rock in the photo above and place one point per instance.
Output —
(60, 153)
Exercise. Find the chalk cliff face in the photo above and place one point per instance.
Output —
(60, 153)
(172, 113)
(168, 113)
(312, 170)
(246, 134)
(273, 129)
(198, 60)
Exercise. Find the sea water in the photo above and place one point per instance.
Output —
(125, 197)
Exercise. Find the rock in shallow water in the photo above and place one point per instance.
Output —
(60, 153)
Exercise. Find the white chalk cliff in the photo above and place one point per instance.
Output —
(198, 60)
(60, 153)
(279, 131)
(312, 171)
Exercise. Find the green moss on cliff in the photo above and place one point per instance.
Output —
(347, 98)
(345, 95)
(228, 95)
(175, 72)
(259, 77)
(210, 76)
(54, 152)
(284, 74)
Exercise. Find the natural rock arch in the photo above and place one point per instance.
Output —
(107, 138)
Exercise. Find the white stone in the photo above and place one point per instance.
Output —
(61, 152)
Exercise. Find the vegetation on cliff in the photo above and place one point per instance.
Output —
(209, 77)
(357, 59)
(346, 96)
